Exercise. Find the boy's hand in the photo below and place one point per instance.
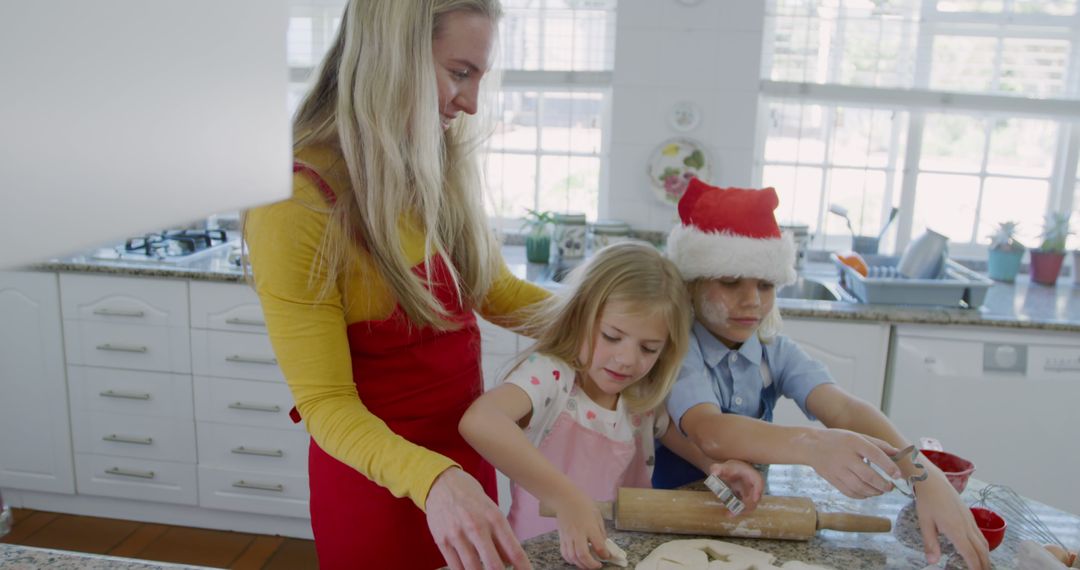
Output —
(581, 525)
(941, 510)
(743, 479)
(837, 455)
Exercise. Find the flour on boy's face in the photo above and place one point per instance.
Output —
(732, 308)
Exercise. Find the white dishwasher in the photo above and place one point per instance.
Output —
(1006, 399)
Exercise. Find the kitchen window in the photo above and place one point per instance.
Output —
(962, 113)
(552, 114)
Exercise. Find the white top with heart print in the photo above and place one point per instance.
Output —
(549, 382)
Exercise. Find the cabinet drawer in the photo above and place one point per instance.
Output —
(234, 355)
(225, 307)
(253, 492)
(252, 448)
(244, 402)
(498, 349)
(136, 347)
(112, 390)
(144, 437)
(139, 479)
(127, 300)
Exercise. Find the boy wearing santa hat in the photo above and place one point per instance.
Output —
(732, 255)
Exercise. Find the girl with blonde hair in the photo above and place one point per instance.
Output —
(576, 417)
(369, 277)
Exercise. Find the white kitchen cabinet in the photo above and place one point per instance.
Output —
(854, 352)
(124, 300)
(498, 349)
(35, 436)
(137, 479)
(129, 362)
(252, 457)
(1006, 400)
(225, 307)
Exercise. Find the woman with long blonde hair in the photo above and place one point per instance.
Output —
(369, 277)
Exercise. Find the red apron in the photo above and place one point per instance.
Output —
(420, 382)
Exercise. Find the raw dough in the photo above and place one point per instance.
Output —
(707, 554)
(618, 555)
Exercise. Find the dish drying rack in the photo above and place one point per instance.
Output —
(958, 286)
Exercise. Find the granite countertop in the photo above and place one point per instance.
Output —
(901, 548)
(15, 557)
(1023, 305)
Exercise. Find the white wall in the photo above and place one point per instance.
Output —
(666, 52)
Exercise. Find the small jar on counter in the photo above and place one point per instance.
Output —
(800, 234)
(607, 232)
(569, 235)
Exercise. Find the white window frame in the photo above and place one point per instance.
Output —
(920, 100)
(559, 81)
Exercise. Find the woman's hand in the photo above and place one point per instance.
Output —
(743, 479)
(941, 510)
(838, 456)
(581, 525)
(468, 527)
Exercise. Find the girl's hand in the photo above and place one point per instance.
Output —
(941, 510)
(468, 527)
(743, 479)
(581, 525)
(838, 456)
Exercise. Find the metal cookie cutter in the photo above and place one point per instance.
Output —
(725, 494)
(913, 452)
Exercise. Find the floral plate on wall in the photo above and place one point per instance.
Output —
(673, 164)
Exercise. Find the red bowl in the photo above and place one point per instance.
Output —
(990, 524)
(956, 469)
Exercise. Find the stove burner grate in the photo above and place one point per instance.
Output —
(175, 243)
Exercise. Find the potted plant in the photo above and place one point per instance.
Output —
(1005, 253)
(1046, 261)
(538, 238)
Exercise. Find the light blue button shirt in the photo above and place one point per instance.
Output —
(731, 379)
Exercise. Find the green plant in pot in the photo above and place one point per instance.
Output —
(538, 238)
(1005, 253)
(1046, 261)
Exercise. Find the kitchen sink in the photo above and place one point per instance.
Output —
(813, 290)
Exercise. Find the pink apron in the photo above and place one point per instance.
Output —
(596, 463)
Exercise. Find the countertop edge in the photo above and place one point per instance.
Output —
(790, 308)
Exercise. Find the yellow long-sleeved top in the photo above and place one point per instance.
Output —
(308, 333)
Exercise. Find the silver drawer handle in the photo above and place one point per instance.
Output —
(245, 322)
(122, 347)
(130, 473)
(255, 451)
(278, 488)
(118, 313)
(125, 395)
(125, 439)
(254, 407)
(251, 359)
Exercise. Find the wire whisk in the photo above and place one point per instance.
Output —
(1022, 520)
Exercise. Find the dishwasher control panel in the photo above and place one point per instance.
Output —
(1062, 364)
(1004, 357)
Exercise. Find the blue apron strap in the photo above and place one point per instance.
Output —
(768, 391)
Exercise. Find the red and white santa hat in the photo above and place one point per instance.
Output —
(730, 232)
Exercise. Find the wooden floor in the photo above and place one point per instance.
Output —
(163, 543)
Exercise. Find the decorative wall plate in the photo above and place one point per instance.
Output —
(684, 116)
(672, 165)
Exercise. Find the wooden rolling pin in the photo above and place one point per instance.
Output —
(701, 513)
